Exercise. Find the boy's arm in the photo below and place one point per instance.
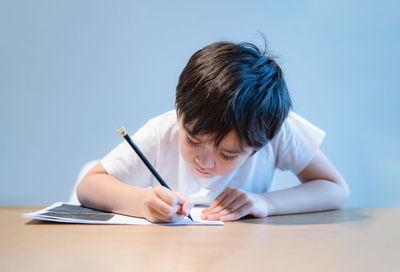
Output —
(322, 188)
(101, 191)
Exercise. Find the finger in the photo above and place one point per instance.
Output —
(231, 196)
(212, 209)
(212, 217)
(175, 218)
(221, 206)
(155, 216)
(186, 207)
(159, 218)
(162, 207)
(239, 213)
(234, 205)
(187, 204)
(168, 196)
(203, 215)
(217, 200)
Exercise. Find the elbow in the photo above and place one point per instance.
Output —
(343, 193)
(81, 192)
(86, 188)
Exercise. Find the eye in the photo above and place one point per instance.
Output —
(228, 158)
(189, 141)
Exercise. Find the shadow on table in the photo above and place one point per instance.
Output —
(42, 222)
(327, 217)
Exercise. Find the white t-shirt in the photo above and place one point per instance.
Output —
(292, 148)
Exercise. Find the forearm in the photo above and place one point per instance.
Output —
(311, 196)
(105, 192)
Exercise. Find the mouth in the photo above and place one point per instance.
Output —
(201, 171)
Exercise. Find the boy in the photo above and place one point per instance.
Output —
(232, 127)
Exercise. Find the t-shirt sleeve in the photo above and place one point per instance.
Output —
(296, 143)
(123, 162)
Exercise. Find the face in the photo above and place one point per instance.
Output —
(207, 161)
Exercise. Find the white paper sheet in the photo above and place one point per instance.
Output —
(68, 213)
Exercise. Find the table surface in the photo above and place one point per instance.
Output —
(366, 239)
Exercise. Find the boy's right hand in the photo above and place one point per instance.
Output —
(163, 205)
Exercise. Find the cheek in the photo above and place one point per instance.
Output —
(225, 167)
(188, 153)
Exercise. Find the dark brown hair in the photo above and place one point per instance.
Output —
(227, 86)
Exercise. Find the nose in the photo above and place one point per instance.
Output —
(205, 159)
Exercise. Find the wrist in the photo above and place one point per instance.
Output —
(143, 202)
(268, 203)
(260, 205)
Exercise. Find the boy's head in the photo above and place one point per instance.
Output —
(232, 88)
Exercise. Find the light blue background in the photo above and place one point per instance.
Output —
(72, 72)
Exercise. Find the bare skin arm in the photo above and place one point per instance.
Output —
(99, 190)
(322, 188)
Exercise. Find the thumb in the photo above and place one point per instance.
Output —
(187, 207)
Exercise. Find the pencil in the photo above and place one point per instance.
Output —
(122, 131)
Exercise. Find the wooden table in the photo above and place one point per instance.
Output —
(342, 240)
